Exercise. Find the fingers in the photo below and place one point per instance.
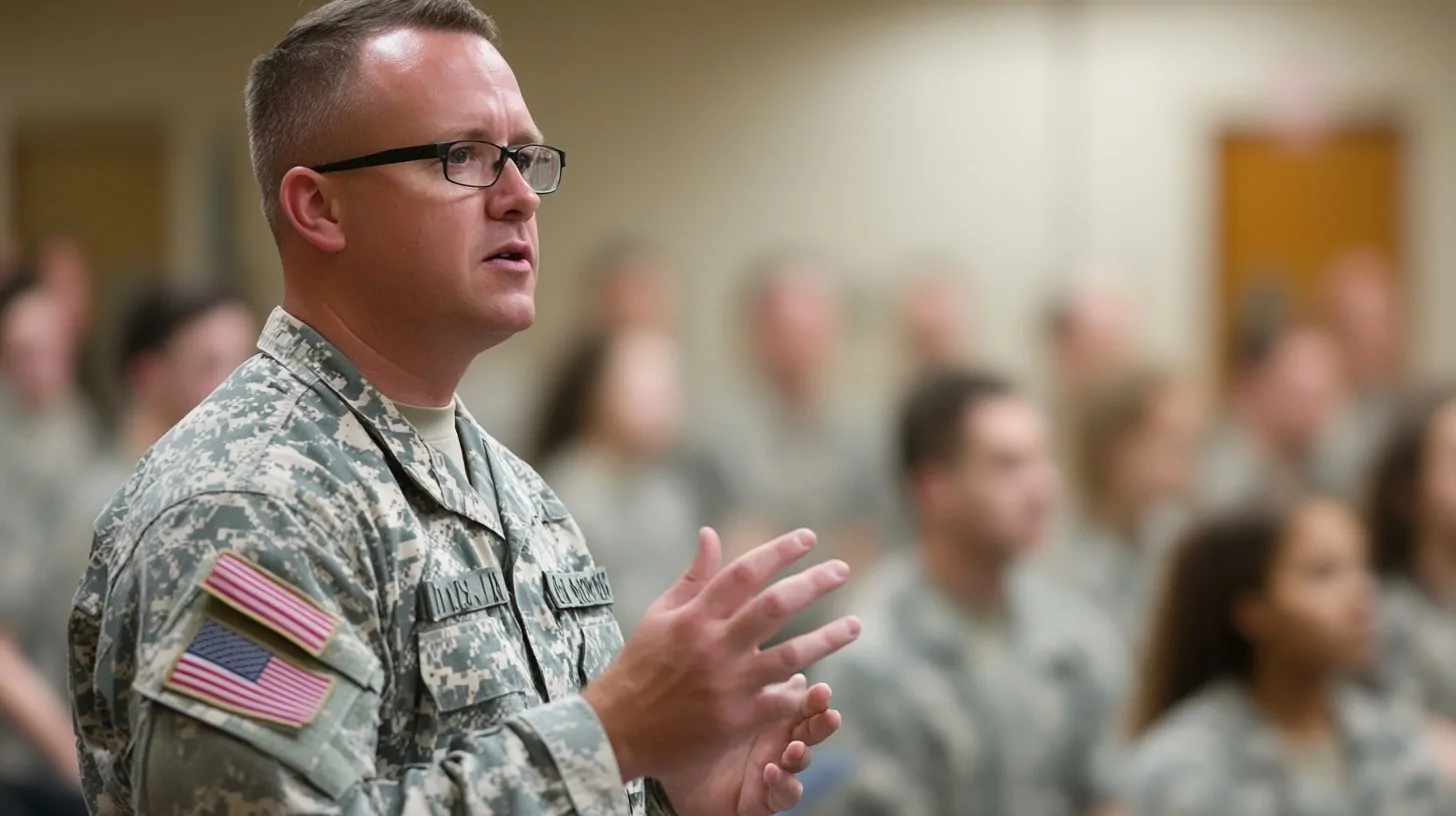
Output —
(784, 790)
(731, 588)
(704, 566)
(818, 728)
(757, 621)
(796, 758)
(801, 652)
(816, 701)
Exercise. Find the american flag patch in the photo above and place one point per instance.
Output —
(225, 669)
(254, 592)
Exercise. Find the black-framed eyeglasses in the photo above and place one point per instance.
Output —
(471, 163)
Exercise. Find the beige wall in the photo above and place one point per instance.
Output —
(1018, 134)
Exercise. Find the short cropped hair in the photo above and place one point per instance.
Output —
(297, 89)
(159, 314)
(932, 419)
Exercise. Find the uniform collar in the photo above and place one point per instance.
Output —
(304, 352)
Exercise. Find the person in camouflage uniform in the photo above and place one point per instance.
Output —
(1134, 448)
(1245, 707)
(1412, 516)
(308, 599)
(981, 688)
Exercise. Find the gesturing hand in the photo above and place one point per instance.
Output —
(692, 687)
(757, 776)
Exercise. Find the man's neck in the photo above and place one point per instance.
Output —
(426, 379)
(974, 581)
(1294, 699)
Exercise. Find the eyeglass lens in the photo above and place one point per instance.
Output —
(478, 164)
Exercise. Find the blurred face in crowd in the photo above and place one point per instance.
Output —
(1156, 459)
(1317, 607)
(639, 403)
(797, 329)
(421, 252)
(195, 362)
(1000, 494)
(1298, 386)
(1364, 316)
(637, 294)
(1095, 341)
(38, 350)
(1436, 495)
(935, 328)
(65, 273)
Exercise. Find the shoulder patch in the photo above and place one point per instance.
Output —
(228, 670)
(271, 601)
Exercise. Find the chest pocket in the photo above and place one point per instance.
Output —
(471, 664)
(600, 645)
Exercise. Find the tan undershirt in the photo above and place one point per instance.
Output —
(437, 427)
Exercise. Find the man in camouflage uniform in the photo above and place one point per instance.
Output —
(982, 688)
(308, 598)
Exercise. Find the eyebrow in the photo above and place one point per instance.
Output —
(520, 137)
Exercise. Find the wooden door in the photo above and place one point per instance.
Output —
(1288, 211)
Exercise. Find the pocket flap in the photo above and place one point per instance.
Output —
(468, 661)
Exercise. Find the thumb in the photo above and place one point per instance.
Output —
(704, 566)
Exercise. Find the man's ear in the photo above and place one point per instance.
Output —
(311, 208)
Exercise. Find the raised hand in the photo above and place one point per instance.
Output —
(692, 689)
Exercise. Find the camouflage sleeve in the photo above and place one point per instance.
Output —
(191, 753)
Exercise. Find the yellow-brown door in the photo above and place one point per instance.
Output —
(1289, 210)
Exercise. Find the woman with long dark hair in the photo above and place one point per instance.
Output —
(1245, 707)
(1413, 521)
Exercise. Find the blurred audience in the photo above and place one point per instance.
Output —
(39, 773)
(1134, 458)
(992, 672)
(65, 274)
(630, 284)
(1272, 443)
(1091, 335)
(1412, 518)
(609, 448)
(979, 688)
(1364, 314)
(936, 327)
(48, 430)
(1245, 702)
(783, 453)
(626, 283)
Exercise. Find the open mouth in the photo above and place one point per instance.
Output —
(507, 256)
